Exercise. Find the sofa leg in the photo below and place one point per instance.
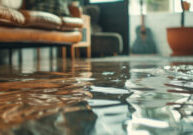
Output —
(101, 55)
(77, 52)
(51, 53)
(20, 59)
(10, 57)
(115, 54)
(38, 59)
(63, 53)
(20, 56)
(72, 52)
(38, 54)
(51, 58)
(89, 52)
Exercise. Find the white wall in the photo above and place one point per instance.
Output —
(158, 22)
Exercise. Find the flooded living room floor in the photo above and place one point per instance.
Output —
(106, 96)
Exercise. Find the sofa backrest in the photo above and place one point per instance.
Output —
(16, 4)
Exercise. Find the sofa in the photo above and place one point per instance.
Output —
(21, 26)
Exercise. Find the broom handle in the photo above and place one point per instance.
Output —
(142, 15)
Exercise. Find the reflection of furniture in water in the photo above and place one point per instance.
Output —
(26, 100)
(78, 119)
(81, 65)
(40, 61)
(62, 92)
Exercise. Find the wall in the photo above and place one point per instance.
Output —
(158, 22)
(82, 2)
(114, 18)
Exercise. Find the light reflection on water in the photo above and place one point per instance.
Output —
(97, 98)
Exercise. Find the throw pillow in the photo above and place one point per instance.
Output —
(57, 7)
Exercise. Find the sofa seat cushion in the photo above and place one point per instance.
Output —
(57, 7)
(71, 22)
(39, 19)
(34, 35)
(11, 16)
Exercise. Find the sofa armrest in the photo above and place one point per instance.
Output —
(75, 10)
(106, 43)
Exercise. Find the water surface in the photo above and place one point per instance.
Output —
(115, 96)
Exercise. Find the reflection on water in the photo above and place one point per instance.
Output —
(130, 97)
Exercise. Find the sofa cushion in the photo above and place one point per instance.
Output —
(39, 19)
(71, 22)
(11, 16)
(16, 4)
(57, 7)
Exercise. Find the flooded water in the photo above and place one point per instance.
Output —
(115, 96)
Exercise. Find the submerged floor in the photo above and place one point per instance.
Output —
(111, 96)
